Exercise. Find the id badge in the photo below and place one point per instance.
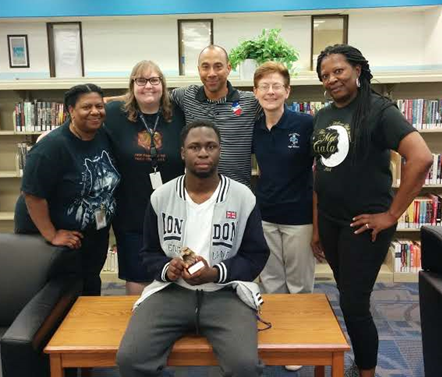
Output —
(156, 180)
(100, 218)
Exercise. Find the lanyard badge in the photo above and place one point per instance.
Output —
(155, 177)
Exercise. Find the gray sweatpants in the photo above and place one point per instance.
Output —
(228, 324)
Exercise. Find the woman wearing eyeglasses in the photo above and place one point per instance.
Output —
(144, 130)
(281, 143)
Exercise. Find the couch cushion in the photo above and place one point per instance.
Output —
(27, 262)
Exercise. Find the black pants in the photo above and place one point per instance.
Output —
(356, 261)
(93, 250)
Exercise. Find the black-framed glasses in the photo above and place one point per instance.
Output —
(141, 81)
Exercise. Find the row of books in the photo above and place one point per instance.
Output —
(111, 264)
(422, 113)
(424, 210)
(434, 176)
(20, 160)
(38, 116)
(407, 255)
(307, 107)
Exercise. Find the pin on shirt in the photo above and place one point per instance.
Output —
(236, 108)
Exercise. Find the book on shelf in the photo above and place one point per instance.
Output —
(396, 162)
(422, 113)
(38, 116)
(21, 154)
(407, 255)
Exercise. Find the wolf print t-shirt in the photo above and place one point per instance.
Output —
(76, 177)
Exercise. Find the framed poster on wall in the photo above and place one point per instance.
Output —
(18, 51)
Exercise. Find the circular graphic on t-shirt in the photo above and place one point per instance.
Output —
(341, 148)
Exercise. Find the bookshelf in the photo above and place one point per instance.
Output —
(305, 87)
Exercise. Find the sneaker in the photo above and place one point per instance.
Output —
(293, 368)
(353, 371)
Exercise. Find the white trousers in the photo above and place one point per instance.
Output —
(291, 265)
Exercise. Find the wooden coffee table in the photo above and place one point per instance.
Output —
(304, 331)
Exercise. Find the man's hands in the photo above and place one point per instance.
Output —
(178, 268)
(175, 269)
(69, 238)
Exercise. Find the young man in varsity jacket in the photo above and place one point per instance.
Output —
(218, 219)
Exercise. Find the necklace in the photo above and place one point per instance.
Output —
(75, 131)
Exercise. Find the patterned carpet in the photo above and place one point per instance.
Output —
(395, 308)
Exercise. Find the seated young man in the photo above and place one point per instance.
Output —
(218, 220)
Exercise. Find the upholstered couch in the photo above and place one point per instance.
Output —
(430, 298)
(38, 285)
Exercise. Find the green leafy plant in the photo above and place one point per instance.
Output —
(269, 45)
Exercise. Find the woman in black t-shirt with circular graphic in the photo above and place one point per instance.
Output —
(144, 130)
(69, 182)
(356, 212)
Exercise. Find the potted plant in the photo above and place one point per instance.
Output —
(269, 45)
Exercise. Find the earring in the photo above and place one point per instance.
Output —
(327, 98)
(358, 83)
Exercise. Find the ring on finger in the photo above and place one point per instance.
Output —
(366, 225)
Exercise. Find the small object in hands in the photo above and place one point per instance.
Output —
(189, 257)
(366, 225)
(195, 267)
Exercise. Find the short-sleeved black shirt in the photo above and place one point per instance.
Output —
(131, 146)
(346, 189)
(76, 177)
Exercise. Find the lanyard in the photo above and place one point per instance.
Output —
(153, 149)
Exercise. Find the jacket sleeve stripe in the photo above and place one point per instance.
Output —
(222, 272)
(164, 272)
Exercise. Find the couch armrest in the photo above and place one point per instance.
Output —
(23, 342)
(431, 243)
(430, 301)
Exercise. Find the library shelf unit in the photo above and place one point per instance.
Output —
(305, 87)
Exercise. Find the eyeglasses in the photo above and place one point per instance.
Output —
(141, 81)
(275, 87)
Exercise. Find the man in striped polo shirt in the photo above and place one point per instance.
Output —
(233, 111)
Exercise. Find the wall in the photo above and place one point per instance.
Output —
(391, 40)
(433, 37)
(38, 49)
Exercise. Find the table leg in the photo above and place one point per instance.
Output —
(319, 371)
(338, 364)
(56, 367)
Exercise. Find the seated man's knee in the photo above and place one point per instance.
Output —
(124, 359)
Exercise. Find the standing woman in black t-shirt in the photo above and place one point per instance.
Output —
(356, 211)
(144, 130)
(68, 185)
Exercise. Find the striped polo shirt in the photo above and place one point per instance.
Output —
(234, 115)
